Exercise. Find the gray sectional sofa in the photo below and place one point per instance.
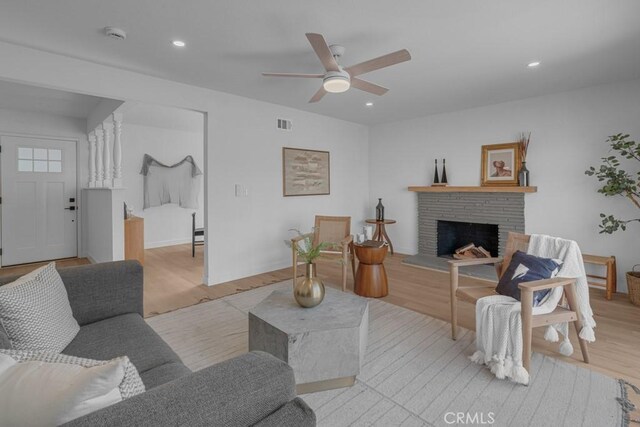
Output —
(252, 389)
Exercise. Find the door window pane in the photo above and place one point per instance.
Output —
(25, 165)
(40, 153)
(55, 154)
(39, 165)
(55, 166)
(32, 159)
(25, 153)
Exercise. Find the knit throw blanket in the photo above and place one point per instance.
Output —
(499, 321)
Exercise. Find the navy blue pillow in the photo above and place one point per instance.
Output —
(527, 268)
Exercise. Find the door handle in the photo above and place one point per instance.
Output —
(71, 208)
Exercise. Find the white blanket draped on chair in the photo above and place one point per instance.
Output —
(499, 321)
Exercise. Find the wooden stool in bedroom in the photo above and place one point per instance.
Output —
(195, 233)
(608, 282)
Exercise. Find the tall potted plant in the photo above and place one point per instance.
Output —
(309, 291)
(616, 181)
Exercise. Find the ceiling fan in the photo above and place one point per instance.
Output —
(339, 79)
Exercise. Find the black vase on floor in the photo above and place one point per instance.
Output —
(436, 179)
(444, 172)
(380, 211)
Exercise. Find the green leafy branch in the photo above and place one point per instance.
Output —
(616, 181)
(305, 248)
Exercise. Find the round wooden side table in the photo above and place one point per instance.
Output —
(371, 277)
(381, 234)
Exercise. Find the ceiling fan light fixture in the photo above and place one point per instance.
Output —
(336, 82)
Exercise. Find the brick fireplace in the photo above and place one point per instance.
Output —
(503, 211)
(460, 215)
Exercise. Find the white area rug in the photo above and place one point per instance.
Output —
(414, 374)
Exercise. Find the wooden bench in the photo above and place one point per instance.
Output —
(608, 282)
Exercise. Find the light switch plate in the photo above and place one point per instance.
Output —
(241, 191)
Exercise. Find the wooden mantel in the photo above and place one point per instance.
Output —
(452, 189)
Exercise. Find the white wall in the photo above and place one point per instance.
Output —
(241, 146)
(248, 151)
(104, 224)
(568, 134)
(168, 224)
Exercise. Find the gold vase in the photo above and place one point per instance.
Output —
(309, 290)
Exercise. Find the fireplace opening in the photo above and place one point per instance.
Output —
(453, 235)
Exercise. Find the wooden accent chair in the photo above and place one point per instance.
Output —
(331, 229)
(473, 293)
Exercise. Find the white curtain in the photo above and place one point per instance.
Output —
(178, 183)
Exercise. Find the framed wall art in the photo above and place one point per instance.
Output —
(305, 172)
(500, 164)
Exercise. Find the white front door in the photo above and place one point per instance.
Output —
(38, 199)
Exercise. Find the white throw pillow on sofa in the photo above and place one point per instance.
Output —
(47, 389)
(35, 311)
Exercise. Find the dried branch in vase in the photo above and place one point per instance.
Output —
(524, 144)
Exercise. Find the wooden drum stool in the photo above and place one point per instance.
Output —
(371, 277)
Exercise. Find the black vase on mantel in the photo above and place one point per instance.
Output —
(380, 211)
(444, 171)
(523, 175)
(436, 178)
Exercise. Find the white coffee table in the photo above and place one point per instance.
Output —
(325, 345)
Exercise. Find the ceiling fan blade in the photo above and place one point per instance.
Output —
(318, 95)
(319, 45)
(308, 76)
(379, 62)
(368, 86)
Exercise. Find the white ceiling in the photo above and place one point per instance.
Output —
(20, 97)
(15, 96)
(466, 53)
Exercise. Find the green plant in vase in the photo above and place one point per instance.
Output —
(617, 181)
(309, 290)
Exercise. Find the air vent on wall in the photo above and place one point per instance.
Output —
(284, 124)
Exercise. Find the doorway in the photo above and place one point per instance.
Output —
(38, 184)
(163, 166)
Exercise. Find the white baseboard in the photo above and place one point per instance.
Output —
(405, 251)
(163, 243)
(250, 272)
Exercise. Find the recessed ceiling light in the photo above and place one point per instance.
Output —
(178, 43)
(533, 64)
(369, 104)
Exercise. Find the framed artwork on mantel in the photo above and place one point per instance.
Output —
(305, 172)
(500, 164)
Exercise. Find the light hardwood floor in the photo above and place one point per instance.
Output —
(173, 280)
(616, 351)
(22, 269)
